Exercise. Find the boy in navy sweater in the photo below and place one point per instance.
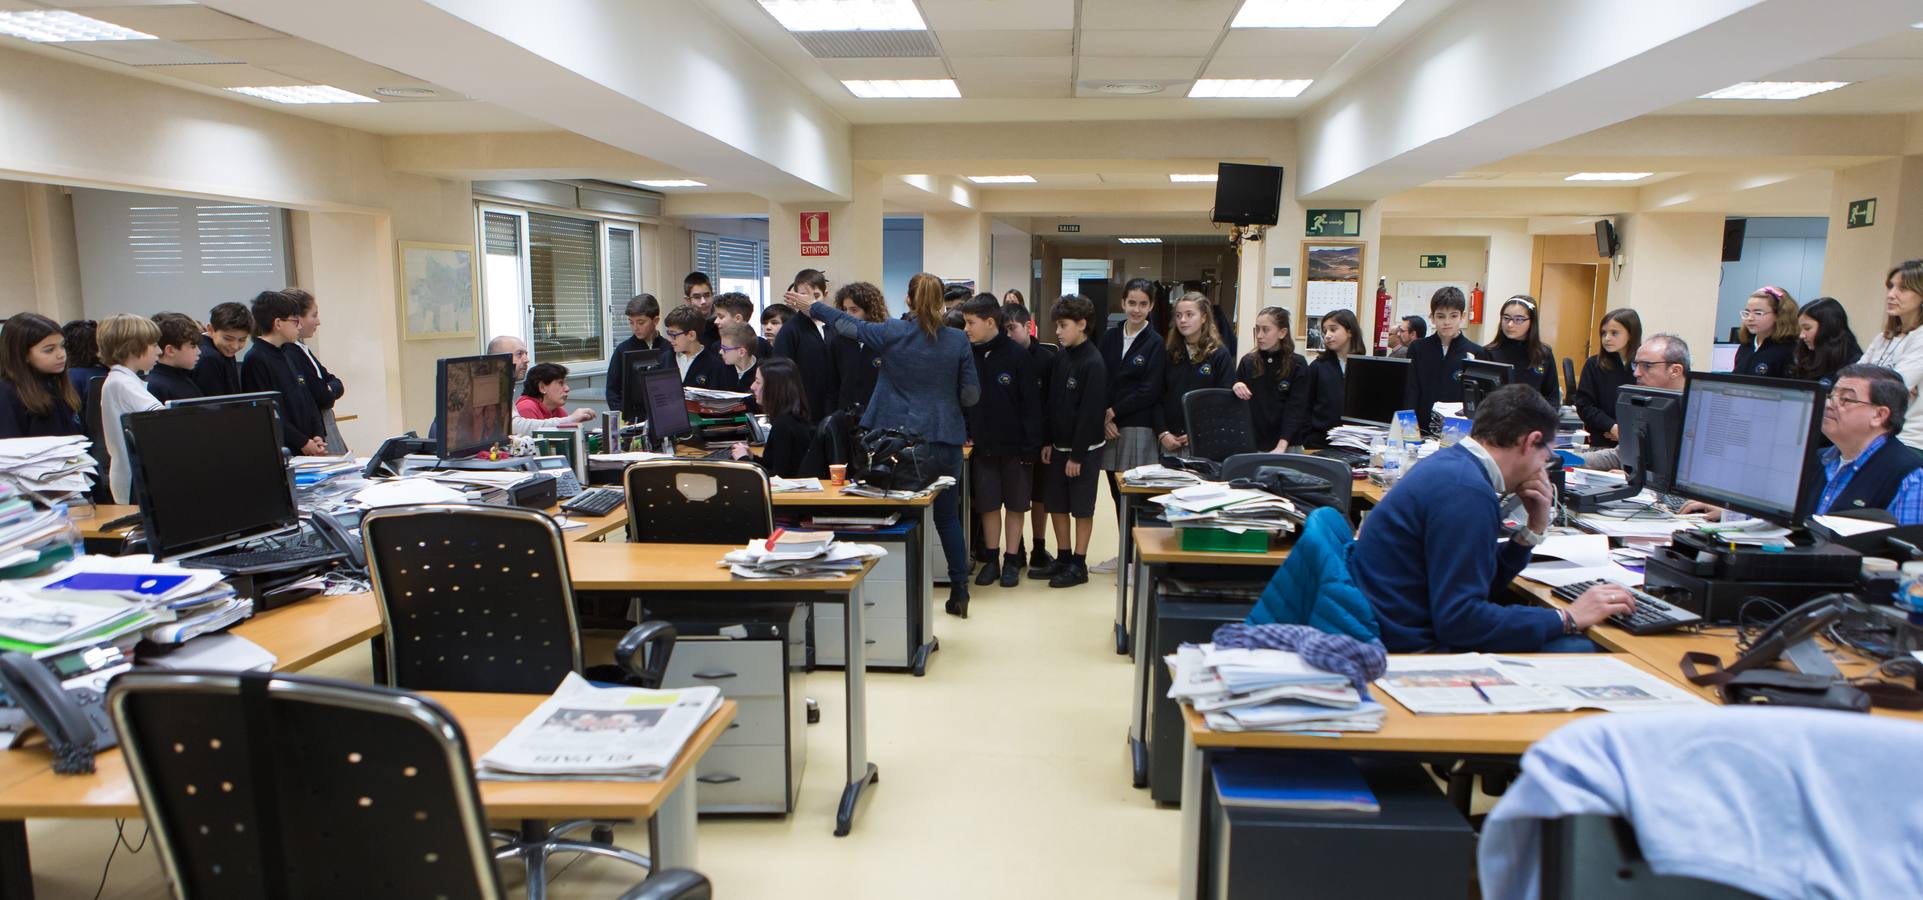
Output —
(1427, 557)
(1077, 405)
(1041, 361)
(1435, 362)
(1006, 426)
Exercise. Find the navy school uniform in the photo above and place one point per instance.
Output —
(1135, 383)
(1007, 420)
(1216, 370)
(1077, 401)
(217, 374)
(1765, 359)
(16, 421)
(1541, 376)
(708, 371)
(1596, 397)
(801, 340)
(857, 366)
(789, 438)
(267, 368)
(1278, 403)
(169, 383)
(1326, 399)
(1435, 374)
(613, 384)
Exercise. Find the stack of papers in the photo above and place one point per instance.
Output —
(593, 733)
(312, 470)
(809, 559)
(714, 404)
(38, 622)
(790, 485)
(1748, 532)
(852, 523)
(1245, 689)
(215, 653)
(1569, 558)
(48, 466)
(1476, 683)
(1356, 437)
(405, 491)
(100, 600)
(863, 490)
(32, 538)
(1215, 505)
(1159, 476)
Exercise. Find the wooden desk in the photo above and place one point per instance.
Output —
(593, 528)
(832, 495)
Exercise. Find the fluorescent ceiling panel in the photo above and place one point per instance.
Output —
(1313, 13)
(1002, 179)
(1609, 176)
(1773, 90)
(60, 26)
(303, 93)
(904, 88)
(1138, 240)
(1192, 177)
(846, 15)
(1248, 87)
(672, 183)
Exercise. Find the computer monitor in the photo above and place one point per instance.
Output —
(635, 366)
(1650, 423)
(474, 396)
(1372, 389)
(198, 494)
(1480, 378)
(1746, 444)
(667, 404)
(1722, 357)
(224, 398)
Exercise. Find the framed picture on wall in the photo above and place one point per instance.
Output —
(437, 291)
(1332, 280)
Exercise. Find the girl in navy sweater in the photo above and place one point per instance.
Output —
(1133, 355)
(1520, 345)
(1620, 333)
(777, 390)
(1197, 359)
(1341, 338)
(1274, 379)
(1769, 326)
(36, 398)
(1824, 342)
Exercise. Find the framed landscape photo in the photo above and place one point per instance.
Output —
(437, 291)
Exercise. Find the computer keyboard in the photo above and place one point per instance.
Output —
(275, 559)
(595, 502)
(1652, 616)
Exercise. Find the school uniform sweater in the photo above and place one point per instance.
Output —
(707, 370)
(1541, 376)
(857, 366)
(1596, 398)
(1007, 420)
(789, 437)
(267, 369)
(1041, 367)
(801, 340)
(320, 382)
(613, 382)
(217, 374)
(1278, 404)
(1216, 370)
(1327, 396)
(169, 383)
(16, 421)
(1077, 401)
(1428, 561)
(1435, 374)
(1766, 358)
(1135, 379)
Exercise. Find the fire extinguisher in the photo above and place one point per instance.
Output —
(1475, 304)
(1384, 312)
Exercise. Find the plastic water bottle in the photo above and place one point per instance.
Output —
(1392, 466)
(1378, 451)
(1909, 593)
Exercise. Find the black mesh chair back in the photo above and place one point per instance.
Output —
(1218, 423)
(694, 501)
(1568, 377)
(1335, 471)
(473, 598)
(281, 787)
(90, 422)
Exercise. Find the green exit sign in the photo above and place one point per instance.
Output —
(1432, 261)
(1862, 213)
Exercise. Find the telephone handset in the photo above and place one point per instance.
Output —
(74, 721)
(344, 538)
(1795, 627)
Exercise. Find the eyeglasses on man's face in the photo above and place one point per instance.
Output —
(1844, 401)
(1647, 364)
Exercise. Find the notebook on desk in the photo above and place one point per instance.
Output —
(1319, 781)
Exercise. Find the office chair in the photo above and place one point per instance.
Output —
(286, 787)
(697, 501)
(1218, 423)
(477, 598)
(1335, 471)
(1596, 858)
(1568, 378)
(96, 436)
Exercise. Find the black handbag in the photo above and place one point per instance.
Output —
(893, 459)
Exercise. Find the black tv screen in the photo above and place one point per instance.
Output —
(1247, 194)
(1605, 238)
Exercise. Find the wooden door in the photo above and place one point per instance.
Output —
(1568, 306)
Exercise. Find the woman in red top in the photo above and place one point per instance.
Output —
(545, 394)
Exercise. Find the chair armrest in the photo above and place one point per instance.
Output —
(647, 669)
(671, 884)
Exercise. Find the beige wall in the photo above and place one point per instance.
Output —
(16, 253)
(39, 260)
(1468, 263)
(1672, 267)
(854, 237)
(1856, 260)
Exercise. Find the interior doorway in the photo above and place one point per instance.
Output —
(1568, 306)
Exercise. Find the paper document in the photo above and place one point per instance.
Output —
(1477, 683)
(1845, 526)
(614, 733)
(1557, 573)
(792, 485)
(405, 491)
(1581, 549)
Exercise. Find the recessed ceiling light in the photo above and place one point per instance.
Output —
(1193, 178)
(1609, 176)
(904, 89)
(407, 93)
(1140, 240)
(671, 183)
(846, 15)
(1773, 90)
(1313, 13)
(1131, 88)
(303, 93)
(56, 26)
(1248, 87)
(1002, 179)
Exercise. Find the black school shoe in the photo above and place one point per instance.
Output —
(957, 604)
(990, 573)
(1040, 564)
(1012, 570)
(1069, 574)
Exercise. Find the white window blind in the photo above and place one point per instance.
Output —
(145, 254)
(564, 257)
(235, 239)
(623, 277)
(503, 294)
(735, 264)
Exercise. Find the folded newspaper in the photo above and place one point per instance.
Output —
(589, 733)
(1478, 683)
(1157, 475)
(868, 490)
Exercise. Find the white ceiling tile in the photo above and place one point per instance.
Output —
(885, 68)
(998, 89)
(1013, 68)
(1907, 45)
(1314, 42)
(993, 15)
(184, 23)
(232, 76)
(1148, 43)
(1147, 15)
(1006, 43)
(1267, 67)
(1115, 67)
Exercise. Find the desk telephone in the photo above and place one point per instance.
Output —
(74, 720)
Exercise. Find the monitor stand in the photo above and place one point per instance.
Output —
(1808, 658)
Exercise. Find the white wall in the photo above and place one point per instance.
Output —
(1785, 251)
(1011, 264)
(1672, 264)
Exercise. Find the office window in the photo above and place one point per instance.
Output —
(144, 254)
(504, 274)
(564, 265)
(735, 264)
(623, 281)
(559, 283)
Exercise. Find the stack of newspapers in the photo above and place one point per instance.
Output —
(1215, 505)
(589, 733)
(1246, 689)
(1159, 476)
(47, 466)
(800, 554)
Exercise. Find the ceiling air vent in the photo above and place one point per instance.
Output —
(866, 44)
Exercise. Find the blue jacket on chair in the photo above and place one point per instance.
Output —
(1313, 587)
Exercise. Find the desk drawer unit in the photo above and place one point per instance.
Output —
(894, 620)
(756, 765)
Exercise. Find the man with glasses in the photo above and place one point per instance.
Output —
(1661, 362)
(1868, 468)
(1406, 333)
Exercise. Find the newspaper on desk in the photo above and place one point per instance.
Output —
(859, 489)
(592, 733)
(1159, 476)
(1249, 689)
(831, 560)
(1479, 683)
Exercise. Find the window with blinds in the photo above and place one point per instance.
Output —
(564, 262)
(735, 264)
(144, 253)
(236, 240)
(623, 278)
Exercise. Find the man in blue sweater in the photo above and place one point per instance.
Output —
(1431, 554)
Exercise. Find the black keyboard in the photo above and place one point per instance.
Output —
(1652, 616)
(276, 559)
(595, 502)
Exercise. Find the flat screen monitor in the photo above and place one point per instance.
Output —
(1247, 194)
(667, 403)
(197, 494)
(224, 398)
(1722, 357)
(635, 366)
(1372, 389)
(1657, 414)
(1746, 444)
(1606, 241)
(1480, 378)
(475, 398)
